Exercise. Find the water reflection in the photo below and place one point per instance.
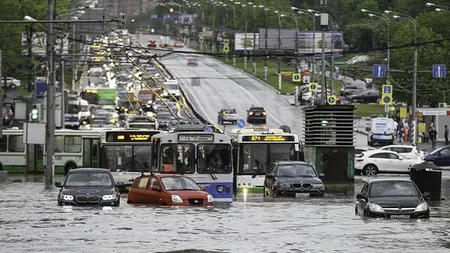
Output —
(32, 221)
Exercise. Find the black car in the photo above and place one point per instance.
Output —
(365, 96)
(255, 114)
(293, 178)
(89, 186)
(350, 90)
(391, 198)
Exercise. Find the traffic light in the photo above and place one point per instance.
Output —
(34, 115)
(386, 95)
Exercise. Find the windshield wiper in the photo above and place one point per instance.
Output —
(213, 176)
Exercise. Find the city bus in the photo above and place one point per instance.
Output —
(255, 149)
(203, 156)
(73, 149)
(126, 153)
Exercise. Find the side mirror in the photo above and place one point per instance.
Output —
(360, 196)
(119, 184)
(58, 184)
(156, 188)
(321, 175)
(426, 195)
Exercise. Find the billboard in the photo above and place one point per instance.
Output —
(244, 41)
(306, 44)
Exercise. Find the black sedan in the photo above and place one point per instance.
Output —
(391, 198)
(365, 96)
(293, 178)
(255, 114)
(88, 186)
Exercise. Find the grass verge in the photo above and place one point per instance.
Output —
(367, 110)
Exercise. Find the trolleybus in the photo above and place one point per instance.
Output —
(203, 156)
(254, 151)
(73, 148)
(126, 153)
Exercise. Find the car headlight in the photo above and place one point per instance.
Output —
(317, 186)
(109, 197)
(281, 185)
(376, 208)
(421, 207)
(67, 197)
(210, 198)
(177, 199)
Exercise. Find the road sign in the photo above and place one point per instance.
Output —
(386, 95)
(439, 71)
(226, 42)
(331, 100)
(240, 123)
(313, 87)
(200, 40)
(226, 49)
(296, 78)
(403, 113)
(306, 79)
(379, 70)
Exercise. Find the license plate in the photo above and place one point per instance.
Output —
(400, 216)
(301, 194)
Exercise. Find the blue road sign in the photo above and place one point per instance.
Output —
(379, 70)
(439, 71)
(240, 123)
(387, 89)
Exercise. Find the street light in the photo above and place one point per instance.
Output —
(313, 19)
(397, 15)
(279, 42)
(385, 19)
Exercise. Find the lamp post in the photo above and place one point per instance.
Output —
(324, 87)
(296, 37)
(397, 15)
(385, 19)
(313, 19)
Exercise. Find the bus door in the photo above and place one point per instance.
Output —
(35, 158)
(91, 153)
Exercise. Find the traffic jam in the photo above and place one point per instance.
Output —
(153, 150)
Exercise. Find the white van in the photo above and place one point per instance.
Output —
(381, 131)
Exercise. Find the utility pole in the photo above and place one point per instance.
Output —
(1, 95)
(61, 68)
(74, 64)
(323, 24)
(50, 130)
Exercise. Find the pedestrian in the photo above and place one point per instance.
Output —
(433, 134)
(394, 128)
(405, 134)
(446, 135)
(400, 131)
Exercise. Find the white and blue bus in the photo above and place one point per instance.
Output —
(203, 156)
(254, 151)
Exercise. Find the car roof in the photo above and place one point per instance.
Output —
(292, 162)
(398, 146)
(389, 180)
(257, 107)
(162, 175)
(84, 170)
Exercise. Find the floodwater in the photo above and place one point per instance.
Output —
(31, 221)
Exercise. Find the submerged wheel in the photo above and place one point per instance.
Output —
(370, 170)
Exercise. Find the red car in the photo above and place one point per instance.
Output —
(178, 44)
(168, 189)
(192, 62)
(152, 43)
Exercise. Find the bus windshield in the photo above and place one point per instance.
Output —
(255, 158)
(214, 158)
(178, 158)
(127, 158)
(90, 97)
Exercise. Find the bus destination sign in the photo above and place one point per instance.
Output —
(196, 137)
(268, 138)
(128, 137)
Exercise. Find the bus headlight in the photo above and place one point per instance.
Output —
(210, 198)
(220, 188)
(176, 199)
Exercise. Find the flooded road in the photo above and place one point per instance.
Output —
(31, 221)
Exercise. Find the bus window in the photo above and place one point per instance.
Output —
(72, 144)
(59, 144)
(16, 143)
(142, 158)
(281, 152)
(168, 159)
(214, 158)
(254, 159)
(3, 143)
(117, 158)
(185, 158)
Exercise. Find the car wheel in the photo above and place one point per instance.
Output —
(370, 170)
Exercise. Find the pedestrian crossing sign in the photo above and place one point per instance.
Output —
(313, 87)
(226, 49)
(296, 78)
(331, 100)
(386, 95)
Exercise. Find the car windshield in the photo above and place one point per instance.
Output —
(295, 170)
(88, 179)
(256, 109)
(393, 188)
(229, 111)
(179, 183)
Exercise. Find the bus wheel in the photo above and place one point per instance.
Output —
(68, 167)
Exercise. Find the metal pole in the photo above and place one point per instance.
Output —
(265, 45)
(414, 98)
(254, 40)
(313, 67)
(214, 32)
(323, 65)
(50, 130)
(279, 51)
(245, 42)
(388, 52)
(1, 95)
(73, 52)
(332, 56)
(234, 35)
(62, 83)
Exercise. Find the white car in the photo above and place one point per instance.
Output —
(407, 151)
(377, 161)
(10, 82)
(359, 150)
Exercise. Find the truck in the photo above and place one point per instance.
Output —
(381, 131)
